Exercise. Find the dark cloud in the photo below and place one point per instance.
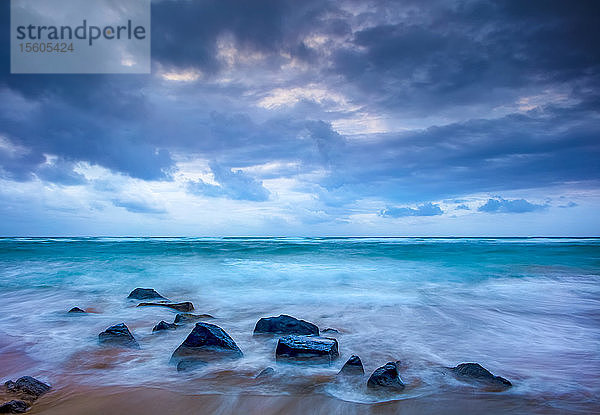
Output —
(137, 206)
(235, 185)
(462, 207)
(427, 209)
(500, 205)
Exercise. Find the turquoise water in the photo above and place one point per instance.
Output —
(527, 309)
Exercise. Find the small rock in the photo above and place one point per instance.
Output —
(285, 324)
(183, 307)
(265, 373)
(163, 325)
(330, 330)
(145, 294)
(13, 407)
(310, 348)
(76, 310)
(386, 377)
(118, 335)
(28, 387)
(353, 366)
(190, 364)
(190, 318)
(476, 372)
(207, 342)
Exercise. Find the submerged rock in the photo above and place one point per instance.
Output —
(184, 307)
(76, 310)
(309, 348)
(13, 407)
(185, 318)
(145, 294)
(118, 335)
(353, 366)
(265, 373)
(163, 325)
(27, 387)
(190, 364)
(476, 372)
(207, 342)
(386, 377)
(285, 324)
(329, 330)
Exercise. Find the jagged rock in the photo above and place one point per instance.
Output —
(309, 348)
(386, 377)
(207, 342)
(27, 387)
(76, 310)
(14, 407)
(163, 325)
(183, 307)
(285, 324)
(353, 366)
(265, 373)
(118, 335)
(476, 372)
(190, 318)
(145, 294)
(190, 364)
(329, 330)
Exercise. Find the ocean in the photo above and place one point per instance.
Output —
(527, 309)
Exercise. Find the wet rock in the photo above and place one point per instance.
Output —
(386, 377)
(476, 372)
(163, 325)
(118, 335)
(353, 366)
(307, 348)
(184, 307)
(285, 324)
(265, 373)
(207, 342)
(145, 294)
(76, 310)
(190, 364)
(14, 407)
(27, 387)
(329, 330)
(185, 318)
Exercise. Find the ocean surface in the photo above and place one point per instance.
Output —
(526, 309)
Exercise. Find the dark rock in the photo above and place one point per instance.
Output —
(386, 377)
(353, 366)
(27, 387)
(183, 307)
(163, 325)
(265, 373)
(145, 294)
(329, 330)
(309, 348)
(476, 372)
(285, 324)
(190, 318)
(207, 342)
(190, 364)
(76, 310)
(118, 335)
(14, 407)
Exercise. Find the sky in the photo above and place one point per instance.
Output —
(315, 118)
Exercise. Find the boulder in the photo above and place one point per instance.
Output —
(163, 325)
(265, 373)
(13, 407)
(145, 294)
(27, 387)
(76, 310)
(307, 348)
(353, 366)
(386, 378)
(477, 373)
(185, 318)
(285, 324)
(207, 342)
(118, 335)
(184, 307)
